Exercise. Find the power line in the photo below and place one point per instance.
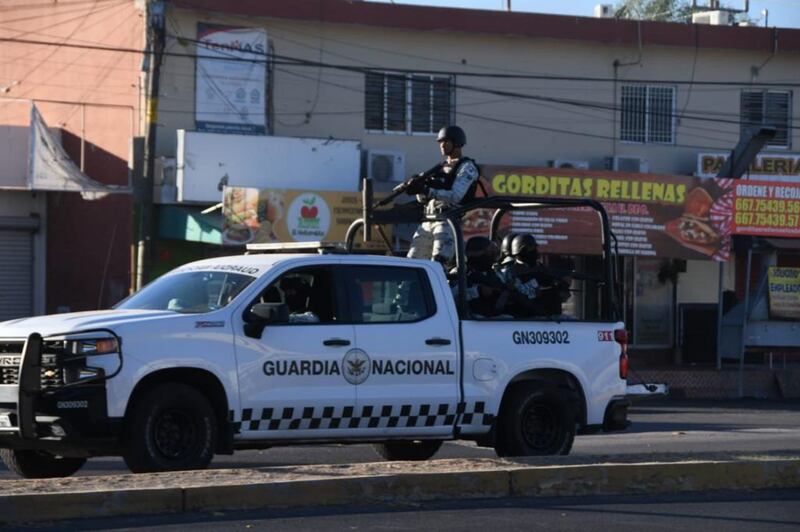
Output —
(296, 62)
(303, 62)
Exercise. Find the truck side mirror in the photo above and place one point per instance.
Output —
(263, 314)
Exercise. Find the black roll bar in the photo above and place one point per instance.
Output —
(501, 205)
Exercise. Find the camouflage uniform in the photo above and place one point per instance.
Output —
(433, 240)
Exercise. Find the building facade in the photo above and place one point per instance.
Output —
(79, 64)
(530, 90)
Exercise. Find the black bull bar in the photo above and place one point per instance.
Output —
(29, 383)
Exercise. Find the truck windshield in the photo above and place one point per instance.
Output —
(189, 292)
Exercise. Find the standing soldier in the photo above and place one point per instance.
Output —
(447, 185)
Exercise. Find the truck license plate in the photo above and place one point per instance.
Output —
(5, 421)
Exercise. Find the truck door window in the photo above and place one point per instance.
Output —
(385, 294)
(308, 292)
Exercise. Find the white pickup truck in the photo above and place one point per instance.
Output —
(209, 358)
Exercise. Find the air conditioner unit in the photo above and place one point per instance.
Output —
(384, 166)
(604, 11)
(627, 164)
(715, 18)
(568, 163)
(165, 188)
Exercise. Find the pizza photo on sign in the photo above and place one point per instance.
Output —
(694, 228)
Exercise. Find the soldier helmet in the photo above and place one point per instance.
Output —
(454, 134)
(525, 248)
(505, 245)
(481, 252)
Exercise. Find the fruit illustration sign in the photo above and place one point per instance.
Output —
(309, 218)
(254, 215)
(650, 214)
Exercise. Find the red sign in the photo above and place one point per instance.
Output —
(650, 214)
(766, 208)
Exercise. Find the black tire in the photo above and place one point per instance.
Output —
(537, 419)
(416, 450)
(39, 464)
(171, 427)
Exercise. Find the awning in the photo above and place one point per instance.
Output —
(189, 223)
(50, 167)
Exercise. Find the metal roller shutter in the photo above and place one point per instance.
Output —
(16, 274)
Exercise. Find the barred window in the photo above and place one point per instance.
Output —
(768, 108)
(407, 103)
(648, 114)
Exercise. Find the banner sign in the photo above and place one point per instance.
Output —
(254, 215)
(784, 293)
(231, 79)
(767, 209)
(768, 166)
(650, 214)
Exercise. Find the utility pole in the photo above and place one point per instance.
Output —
(154, 56)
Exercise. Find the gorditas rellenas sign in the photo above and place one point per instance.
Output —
(650, 214)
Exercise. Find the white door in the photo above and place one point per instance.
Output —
(407, 343)
(291, 381)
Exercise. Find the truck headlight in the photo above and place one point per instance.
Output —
(102, 346)
(89, 357)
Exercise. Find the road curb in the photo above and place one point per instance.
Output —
(55, 506)
(510, 481)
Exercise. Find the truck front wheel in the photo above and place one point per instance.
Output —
(417, 450)
(537, 419)
(39, 464)
(171, 427)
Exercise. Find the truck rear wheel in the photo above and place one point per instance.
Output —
(537, 419)
(417, 450)
(40, 464)
(172, 427)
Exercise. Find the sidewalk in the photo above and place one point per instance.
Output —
(387, 483)
(712, 383)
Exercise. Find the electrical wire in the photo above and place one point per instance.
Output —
(63, 44)
(304, 62)
(291, 61)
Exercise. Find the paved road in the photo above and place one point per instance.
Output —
(658, 427)
(747, 512)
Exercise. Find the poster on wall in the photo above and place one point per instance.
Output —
(651, 215)
(253, 215)
(231, 79)
(784, 293)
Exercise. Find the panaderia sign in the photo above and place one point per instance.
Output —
(767, 166)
